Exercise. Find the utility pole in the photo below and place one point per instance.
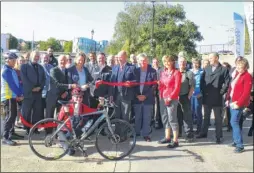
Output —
(33, 42)
(152, 40)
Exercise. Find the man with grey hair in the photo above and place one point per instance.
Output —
(58, 87)
(93, 69)
(184, 113)
(111, 61)
(214, 84)
(33, 79)
(133, 60)
(144, 97)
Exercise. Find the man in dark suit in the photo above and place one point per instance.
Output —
(104, 74)
(93, 69)
(122, 95)
(58, 86)
(214, 84)
(79, 74)
(144, 97)
(33, 78)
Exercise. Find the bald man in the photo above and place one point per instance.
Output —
(122, 95)
(58, 86)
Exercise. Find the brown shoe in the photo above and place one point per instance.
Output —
(147, 139)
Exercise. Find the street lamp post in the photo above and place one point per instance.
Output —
(92, 34)
(152, 39)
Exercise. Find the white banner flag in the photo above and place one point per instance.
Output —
(248, 10)
(239, 39)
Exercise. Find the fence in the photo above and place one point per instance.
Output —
(220, 48)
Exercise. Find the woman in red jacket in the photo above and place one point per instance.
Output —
(169, 86)
(238, 97)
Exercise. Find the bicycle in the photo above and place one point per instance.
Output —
(112, 130)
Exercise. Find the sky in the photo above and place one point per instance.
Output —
(66, 20)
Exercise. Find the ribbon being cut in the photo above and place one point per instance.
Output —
(127, 84)
(88, 109)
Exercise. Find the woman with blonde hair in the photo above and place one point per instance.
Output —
(238, 97)
(169, 86)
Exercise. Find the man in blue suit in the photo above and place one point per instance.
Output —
(144, 97)
(122, 95)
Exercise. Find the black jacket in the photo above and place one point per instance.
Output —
(214, 85)
(104, 74)
(58, 82)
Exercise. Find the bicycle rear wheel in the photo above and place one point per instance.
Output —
(48, 139)
(116, 145)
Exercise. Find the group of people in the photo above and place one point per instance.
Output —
(171, 96)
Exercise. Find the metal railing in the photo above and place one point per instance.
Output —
(220, 48)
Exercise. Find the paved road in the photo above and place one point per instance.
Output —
(203, 155)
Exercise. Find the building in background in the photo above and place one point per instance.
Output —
(86, 45)
(5, 42)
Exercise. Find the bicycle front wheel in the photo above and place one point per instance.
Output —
(118, 143)
(48, 139)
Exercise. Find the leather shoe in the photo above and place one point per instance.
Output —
(218, 140)
(147, 139)
(9, 142)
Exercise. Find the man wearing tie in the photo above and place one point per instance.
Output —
(122, 95)
(33, 78)
(58, 86)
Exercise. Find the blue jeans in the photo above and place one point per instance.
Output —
(237, 133)
(196, 108)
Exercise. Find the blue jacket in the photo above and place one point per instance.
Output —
(129, 75)
(10, 86)
(197, 78)
(148, 90)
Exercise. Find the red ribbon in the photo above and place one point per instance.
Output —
(131, 84)
(50, 124)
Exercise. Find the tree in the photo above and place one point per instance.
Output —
(172, 31)
(51, 42)
(247, 47)
(13, 42)
(68, 46)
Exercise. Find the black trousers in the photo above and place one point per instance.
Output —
(184, 115)
(32, 109)
(10, 107)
